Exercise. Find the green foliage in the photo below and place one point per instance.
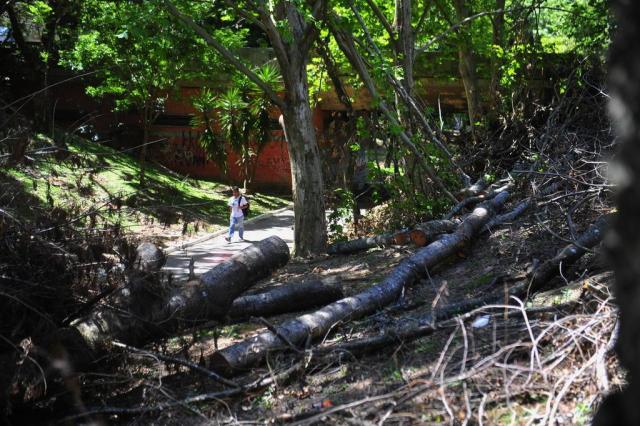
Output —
(213, 145)
(136, 53)
(238, 117)
(341, 214)
(38, 11)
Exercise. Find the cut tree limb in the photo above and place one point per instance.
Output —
(419, 235)
(475, 199)
(139, 316)
(428, 324)
(317, 324)
(287, 298)
(426, 232)
(569, 254)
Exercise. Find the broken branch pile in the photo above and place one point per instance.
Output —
(317, 324)
(429, 324)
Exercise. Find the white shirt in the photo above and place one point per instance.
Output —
(236, 211)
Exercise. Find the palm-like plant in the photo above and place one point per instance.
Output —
(243, 117)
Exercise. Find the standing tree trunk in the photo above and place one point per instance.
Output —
(467, 65)
(497, 24)
(622, 408)
(406, 39)
(310, 234)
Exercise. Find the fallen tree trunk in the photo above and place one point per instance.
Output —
(475, 199)
(141, 315)
(428, 324)
(361, 244)
(425, 233)
(287, 298)
(317, 324)
(419, 235)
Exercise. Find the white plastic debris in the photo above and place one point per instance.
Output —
(481, 321)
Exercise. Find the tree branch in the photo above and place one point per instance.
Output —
(346, 44)
(408, 100)
(279, 48)
(383, 20)
(334, 75)
(454, 27)
(244, 14)
(423, 16)
(224, 52)
(312, 30)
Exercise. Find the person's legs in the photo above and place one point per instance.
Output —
(232, 224)
(240, 225)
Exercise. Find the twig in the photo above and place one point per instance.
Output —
(190, 400)
(210, 374)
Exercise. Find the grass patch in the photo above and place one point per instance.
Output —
(96, 177)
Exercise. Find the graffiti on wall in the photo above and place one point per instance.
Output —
(182, 148)
(182, 152)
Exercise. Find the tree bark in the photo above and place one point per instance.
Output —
(406, 42)
(426, 232)
(622, 408)
(569, 254)
(470, 201)
(286, 298)
(142, 315)
(310, 228)
(317, 324)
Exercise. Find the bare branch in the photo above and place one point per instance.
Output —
(272, 32)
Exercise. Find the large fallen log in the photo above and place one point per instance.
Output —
(428, 324)
(419, 235)
(317, 324)
(137, 316)
(287, 298)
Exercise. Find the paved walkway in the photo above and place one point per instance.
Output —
(212, 249)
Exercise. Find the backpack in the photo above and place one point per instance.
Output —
(246, 212)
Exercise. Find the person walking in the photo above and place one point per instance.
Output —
(237, 203)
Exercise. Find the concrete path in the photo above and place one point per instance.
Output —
(212, 249)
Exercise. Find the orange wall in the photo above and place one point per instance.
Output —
(183, 153)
